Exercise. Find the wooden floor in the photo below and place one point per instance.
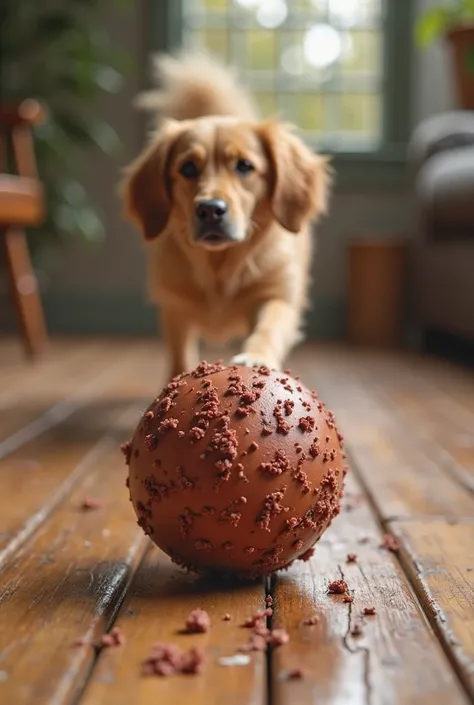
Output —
(69, 574)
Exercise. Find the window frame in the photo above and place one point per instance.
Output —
(382, 168)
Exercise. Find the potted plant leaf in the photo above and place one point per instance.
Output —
(62, 54)
(453, 21)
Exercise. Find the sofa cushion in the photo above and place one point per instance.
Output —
(440, 133)
(445, 195)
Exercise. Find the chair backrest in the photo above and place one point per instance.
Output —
(16, 123)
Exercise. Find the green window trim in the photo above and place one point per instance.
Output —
(383, 168)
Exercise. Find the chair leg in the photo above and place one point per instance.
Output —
(24, 288)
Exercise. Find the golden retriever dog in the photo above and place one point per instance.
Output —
(226, 203)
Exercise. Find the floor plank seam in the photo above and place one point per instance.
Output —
(61, 494)
(434, 617)
(58, 413)
(465, 412)
(269, 587)
(410, 578)
(431, 518)
(429, 446)
(12, 393)
(359, 649)
(127, 584)
(450, 467)
(88, 461)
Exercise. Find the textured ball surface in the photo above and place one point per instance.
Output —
(236, 469)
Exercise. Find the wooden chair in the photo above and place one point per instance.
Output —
(21, 205)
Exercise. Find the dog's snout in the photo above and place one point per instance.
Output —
(211, 211)
(213, 227)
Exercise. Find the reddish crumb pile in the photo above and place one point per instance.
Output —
(390, 543)
(168, 659)
(91, 503)
(257, 618)
(261, 636)
(198, 622)
(369, 611)
(282, 426)
(337, 587)
(280, 464)
(279, 637)
(256, 642)
(315, 449)
(307, 424)
(351, 558)
(269, 601)
(204, 369)
(126, 449)
(311, 621)
(114, 638)
(296, 674)
(272, 508)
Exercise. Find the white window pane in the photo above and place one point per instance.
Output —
(318, 63)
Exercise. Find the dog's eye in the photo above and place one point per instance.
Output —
(243, 166)
(189, 170)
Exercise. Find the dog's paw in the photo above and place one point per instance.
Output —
(253, 360)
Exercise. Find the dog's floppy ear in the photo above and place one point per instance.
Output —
(146, 186)
(301, 179)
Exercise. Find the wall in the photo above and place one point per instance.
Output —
(109, 279)
(432, 87)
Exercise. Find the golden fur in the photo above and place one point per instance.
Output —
(257, 285)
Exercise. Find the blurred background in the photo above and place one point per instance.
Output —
(383, 85)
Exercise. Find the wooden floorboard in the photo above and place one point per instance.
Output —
(42, 466)
(456, 382)
(409, 427)
(23, 380)
(385, 662)
(404, 437)
(66, 584)
(439, 557)
(27, 419)
(444, 427)
(159, 601)
(401, 475)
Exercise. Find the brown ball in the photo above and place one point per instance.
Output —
(236, 469)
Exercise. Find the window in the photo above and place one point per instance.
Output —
(316, 63)
(339, 69)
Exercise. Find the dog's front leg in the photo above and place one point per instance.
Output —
(275, 333)
(181, 340)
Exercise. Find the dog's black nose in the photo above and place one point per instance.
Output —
(211, 211)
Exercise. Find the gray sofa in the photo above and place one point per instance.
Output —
(442, 156)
